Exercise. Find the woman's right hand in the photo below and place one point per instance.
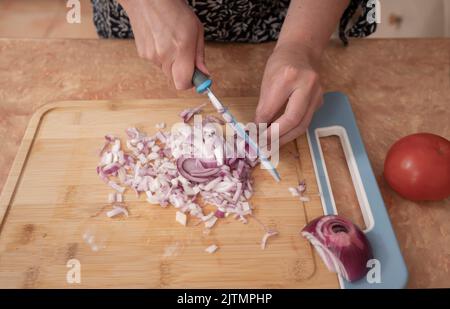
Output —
(170, 35)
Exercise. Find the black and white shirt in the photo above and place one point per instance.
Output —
(251, 21)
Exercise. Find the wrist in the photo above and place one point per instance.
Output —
(301, 47)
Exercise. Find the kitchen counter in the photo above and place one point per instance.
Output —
(396, 87)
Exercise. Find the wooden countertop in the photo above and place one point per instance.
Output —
(396, 87)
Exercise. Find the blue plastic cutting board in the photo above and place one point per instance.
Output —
(335, 117)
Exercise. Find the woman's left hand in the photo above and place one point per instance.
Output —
(290, 90)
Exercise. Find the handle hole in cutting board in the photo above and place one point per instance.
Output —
(341, 182)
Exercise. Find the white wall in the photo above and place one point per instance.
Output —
(420, 18)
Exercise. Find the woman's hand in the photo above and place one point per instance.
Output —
(170, 35)
(290, 90)
(291, 74)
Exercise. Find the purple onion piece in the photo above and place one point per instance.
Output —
(194, 169)
(342, 246)
(219, 214)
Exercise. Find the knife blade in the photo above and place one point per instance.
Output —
(202, 83)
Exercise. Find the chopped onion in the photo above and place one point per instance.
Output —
(207, 217)
(116, 187)
(188, 113)
(210, 223)
(119, 198)
(342, 246)
(151, 198)
(213, 119)
(211, 249)
(162, 167)
(266, 236)
(299, 191)
(219, 213)
(88, 238)
(181, 218)
(160, 125)
(293, 191)
(301, 187)
(107, 158)
(111, 198)
(304, 199)
(161, 137)
(117, 210)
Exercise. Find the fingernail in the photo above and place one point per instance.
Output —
(177, 85)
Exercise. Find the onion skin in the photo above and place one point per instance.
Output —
(195, 170)
(201, 171)
(342, 246)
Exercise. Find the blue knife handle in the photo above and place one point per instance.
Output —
(201, 81)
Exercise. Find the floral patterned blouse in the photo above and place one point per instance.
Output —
(251, 21)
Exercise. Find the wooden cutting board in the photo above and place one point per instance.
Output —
(53, 197)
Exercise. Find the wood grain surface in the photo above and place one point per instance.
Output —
(53, 197)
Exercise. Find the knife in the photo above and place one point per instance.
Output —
(202, 83)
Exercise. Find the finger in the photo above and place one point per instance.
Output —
(265, 129)
(139, 40)
(268, 138)
(316, 102)
(150, 48)
(272, 98)
(164, 57)
(200, 51)
(167, 69)
(183, 66)
(295, 109)
(140, 48)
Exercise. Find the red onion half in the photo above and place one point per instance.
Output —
(342, 246)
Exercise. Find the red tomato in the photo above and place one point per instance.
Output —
(418, 167)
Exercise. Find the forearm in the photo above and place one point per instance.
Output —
(310, 23)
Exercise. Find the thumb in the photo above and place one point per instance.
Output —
(273, 96)
(200, 52)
